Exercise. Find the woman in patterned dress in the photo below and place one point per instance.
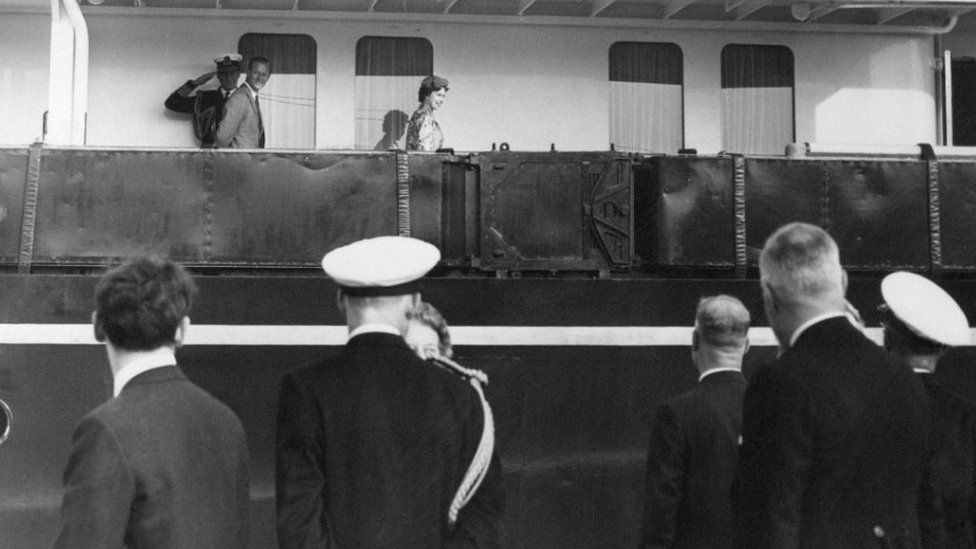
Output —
(423, 132)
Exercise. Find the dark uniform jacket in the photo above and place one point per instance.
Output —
(162, 465)
(372, 445)
(946, 506)
(834, 444)
(691, 462)
(207, 108)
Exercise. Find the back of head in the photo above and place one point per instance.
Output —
(900, 339)
(431, 317)
(140, 304)
(802, 261)
(722, 322)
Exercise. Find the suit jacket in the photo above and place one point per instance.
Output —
(241, 126)
(834, 445)
(946, 504)
(372, 445)
(691, 462)
(207, 108)
(162, 465)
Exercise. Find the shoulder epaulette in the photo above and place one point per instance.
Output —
(486, 445)
(469, 373)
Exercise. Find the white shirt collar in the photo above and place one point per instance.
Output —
(374, 327)
(254, 92)
(140, 362)
(920, 371)
(820, 318)
(717, 370)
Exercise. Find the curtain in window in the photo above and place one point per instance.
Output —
(757, 99)
(388, 74)
(288, 99)
(646, 97)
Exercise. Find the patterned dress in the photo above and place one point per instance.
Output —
(423, 132)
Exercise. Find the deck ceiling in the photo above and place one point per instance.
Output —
(934, 13)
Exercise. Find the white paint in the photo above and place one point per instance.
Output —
(477, 336)
(25, 42)
(61, 76)
(68, 77)
(528, 85)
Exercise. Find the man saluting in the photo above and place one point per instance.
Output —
(207, 106)
(374, 443)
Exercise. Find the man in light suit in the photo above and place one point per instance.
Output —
(694, 448)
(162, 464)
(835, 430)
(242, 126)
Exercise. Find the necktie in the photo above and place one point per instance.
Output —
(257, 107)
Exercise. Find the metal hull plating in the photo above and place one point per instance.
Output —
(576, 366)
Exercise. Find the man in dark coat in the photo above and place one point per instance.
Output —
(694, 448)
(162, 464)
(834, 431)
(374, 443)
(921, 322)
(207, 106)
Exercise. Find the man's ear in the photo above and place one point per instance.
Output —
(769, 295)
(745, 349)
(97, 327)
(181, 330)
(695, 340)
(340, 301)
(843, 280)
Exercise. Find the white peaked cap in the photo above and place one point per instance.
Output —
(381, 262)
(925, 308)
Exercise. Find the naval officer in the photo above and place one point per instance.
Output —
(207, 106)
(921, 322)
(374, 444)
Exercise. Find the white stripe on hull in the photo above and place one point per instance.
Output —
(502, 336)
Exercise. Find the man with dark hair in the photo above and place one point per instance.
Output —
(921, 322)
(163, 463)
(694, 446)
(207, 106)
(376, 447)
(835, 430)
(242, 126)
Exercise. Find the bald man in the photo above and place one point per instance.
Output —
(694, 446)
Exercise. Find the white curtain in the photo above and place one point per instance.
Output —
(288, 111)
(757, 120)
(383, 108)
(645, 118)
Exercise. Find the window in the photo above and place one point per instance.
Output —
(757, 99)
(646, 97)
(288, 99)
(388, 74)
